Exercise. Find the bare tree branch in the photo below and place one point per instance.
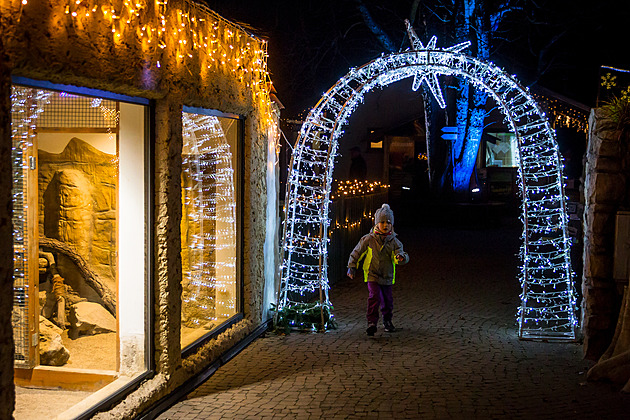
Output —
(382, 37)
(90, 277)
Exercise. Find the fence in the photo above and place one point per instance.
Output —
(351, 218)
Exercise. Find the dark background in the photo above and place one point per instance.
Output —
(557, 44)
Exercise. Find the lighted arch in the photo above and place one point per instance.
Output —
(548, 300)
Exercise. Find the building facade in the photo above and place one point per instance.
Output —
(138, 204)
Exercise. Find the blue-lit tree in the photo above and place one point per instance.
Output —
(547, 309)
(471, 22)
(468, 20)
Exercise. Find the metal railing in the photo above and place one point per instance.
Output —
(350, 218)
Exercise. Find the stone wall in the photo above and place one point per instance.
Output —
(604, 190)
(43, 42)
(7, 390)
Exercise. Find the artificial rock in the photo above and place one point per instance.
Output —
(89, 318)
(52, 352)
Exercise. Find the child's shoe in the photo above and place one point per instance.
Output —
(389, 327)
(371, 330)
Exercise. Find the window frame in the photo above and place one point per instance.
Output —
(240, 210)
(149, 217)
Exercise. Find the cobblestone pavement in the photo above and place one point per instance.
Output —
(456, 354)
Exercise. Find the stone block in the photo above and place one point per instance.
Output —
(608, 164)
(104, 199)
(599, 282)
(598, 322)
(599, 246)
(596, 342)
(608, 146)
(608, 187)
(603, 224)
(603, 243)
(102, 256)
(610, 208)
(52, 352)
(600, 300)
(598, 265)
(89, 318)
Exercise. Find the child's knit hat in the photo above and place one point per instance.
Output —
(384, 214)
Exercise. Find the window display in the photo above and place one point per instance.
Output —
(78, 192)
(501, 150)
(209, 223)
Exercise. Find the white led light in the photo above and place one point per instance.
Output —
(548, 299)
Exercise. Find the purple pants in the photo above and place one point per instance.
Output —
(380, 295)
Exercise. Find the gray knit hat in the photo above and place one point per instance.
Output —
(384, 214)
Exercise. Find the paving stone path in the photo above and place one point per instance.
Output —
(456, 354)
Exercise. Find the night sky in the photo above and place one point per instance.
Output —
(557, 44)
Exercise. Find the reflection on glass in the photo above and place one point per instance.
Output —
(208, 223)
(26, 106)
(65, 159)
(78, 183)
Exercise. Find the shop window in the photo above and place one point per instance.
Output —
(501, 150)
(210, 214)
(79, 239)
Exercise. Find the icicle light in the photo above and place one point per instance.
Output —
(197, 38)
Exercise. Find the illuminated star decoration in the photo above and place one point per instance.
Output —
(548, 300)
(426, 75)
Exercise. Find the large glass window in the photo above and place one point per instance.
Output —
(210, 180)
(501, 150)
(79, 243)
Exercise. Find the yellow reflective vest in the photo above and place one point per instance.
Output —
(375, 255)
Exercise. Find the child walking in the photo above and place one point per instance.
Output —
(381, 251)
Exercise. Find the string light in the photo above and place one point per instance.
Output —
(356, 187)
(548, 301)
(369, 191)
(563, 115)
(157, 25)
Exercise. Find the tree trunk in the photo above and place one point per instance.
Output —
(91, 278)
(435, 150)
(614, 365)
(470, 102)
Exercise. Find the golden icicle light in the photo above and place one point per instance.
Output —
(237, 55)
